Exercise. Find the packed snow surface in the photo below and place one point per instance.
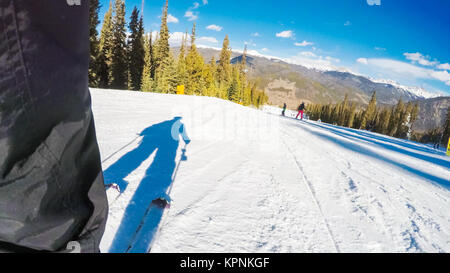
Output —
(253, 181)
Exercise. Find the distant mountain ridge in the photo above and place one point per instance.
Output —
(388, 91)
(418, 91)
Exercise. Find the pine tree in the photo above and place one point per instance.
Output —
(335, 113)
(396, 118)
(209, 79)
(392, 126)
(414, 115)
(152, 56)
(404, 129)
(401, 120)
(181, 62)
(383, 121)
(248, 90)
(136, 52)
(351, 115)
(343, 115)
(224, 67)
(234, 88)
(162, 43)
(147, 77)
(261, 99)
(105, 49)
(358, 119)
(194, 68)
(119, 75)
(370, 112)
(94, 65)
(243, 75)
(167, 78)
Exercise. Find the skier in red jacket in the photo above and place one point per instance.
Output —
(301, 108)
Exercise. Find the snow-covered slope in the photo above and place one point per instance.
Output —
(253, 181)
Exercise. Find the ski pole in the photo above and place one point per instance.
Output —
(131, 142)
(176, 170)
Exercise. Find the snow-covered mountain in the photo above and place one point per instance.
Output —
(418, 91)
(253, 181)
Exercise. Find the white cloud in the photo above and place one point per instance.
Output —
(285, 34)
(397, 67)
(172, 19)
(211, 40)
(406, 70)
(443, 76)
(304, 43)
(265, 49)
(419, 58)
(347, 23)
(191, 15)
(445, 66)
(256, 34)
(214, 27)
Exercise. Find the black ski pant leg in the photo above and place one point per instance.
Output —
(51, 181)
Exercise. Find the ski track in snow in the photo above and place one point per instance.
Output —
(313, 194)
(257, 182)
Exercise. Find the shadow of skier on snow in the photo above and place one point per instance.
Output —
(162, 139)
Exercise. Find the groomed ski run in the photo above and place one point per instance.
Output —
(254, 181)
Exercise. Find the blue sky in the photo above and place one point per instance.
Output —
(400, 40)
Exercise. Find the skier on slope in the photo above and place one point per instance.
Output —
(283, 113)
(301, 108)
(52, 197)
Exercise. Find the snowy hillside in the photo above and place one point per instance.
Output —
(252, 181)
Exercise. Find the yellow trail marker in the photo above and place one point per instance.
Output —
(448, 147)
(180, 90)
